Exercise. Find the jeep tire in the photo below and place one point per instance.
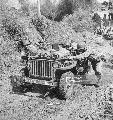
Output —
(66, 84)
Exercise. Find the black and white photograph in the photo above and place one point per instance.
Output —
(56, 59)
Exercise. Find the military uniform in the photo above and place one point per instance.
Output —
(91, 56)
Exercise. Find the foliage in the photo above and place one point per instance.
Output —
(48, 9)
(65, 7)
(86, 102)
(13, 29)
(80, 20)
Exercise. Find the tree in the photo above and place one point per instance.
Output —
(30, 7)
(65, 7)
(48, 9)
(39, 11)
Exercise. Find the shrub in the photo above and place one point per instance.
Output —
(57, 11)
(65, 7)
(48, 9)
(80, 20)
(14, 30)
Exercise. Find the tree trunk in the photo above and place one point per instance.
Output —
(39, 11)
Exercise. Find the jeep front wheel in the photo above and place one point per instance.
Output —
(66, 84)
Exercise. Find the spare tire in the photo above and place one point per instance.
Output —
(66, 84)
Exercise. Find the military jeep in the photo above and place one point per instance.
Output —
(56, 69)
(55, 72)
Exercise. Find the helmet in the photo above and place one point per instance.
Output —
(55, 46)
(81, 45)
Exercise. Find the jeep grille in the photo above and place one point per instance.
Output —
(41, 68)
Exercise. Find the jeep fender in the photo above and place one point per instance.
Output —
(68, 67)
(60, 71)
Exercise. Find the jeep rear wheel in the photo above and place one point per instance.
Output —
(66, 84)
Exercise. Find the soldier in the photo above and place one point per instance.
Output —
(90, 56)
(95, 62)
(77, 48)
(81, 48)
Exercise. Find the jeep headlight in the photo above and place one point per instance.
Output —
(55, 65)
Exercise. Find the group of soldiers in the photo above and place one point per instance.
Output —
(87, 58)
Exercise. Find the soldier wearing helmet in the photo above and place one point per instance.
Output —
(78, 48)
(81, 48)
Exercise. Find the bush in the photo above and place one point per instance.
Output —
(80, 21)
(14, 30)
(65, 7)
(57, 11)
(48, 9)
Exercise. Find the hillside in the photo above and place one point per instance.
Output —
(88, 102)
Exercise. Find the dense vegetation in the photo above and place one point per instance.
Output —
(68, 21)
